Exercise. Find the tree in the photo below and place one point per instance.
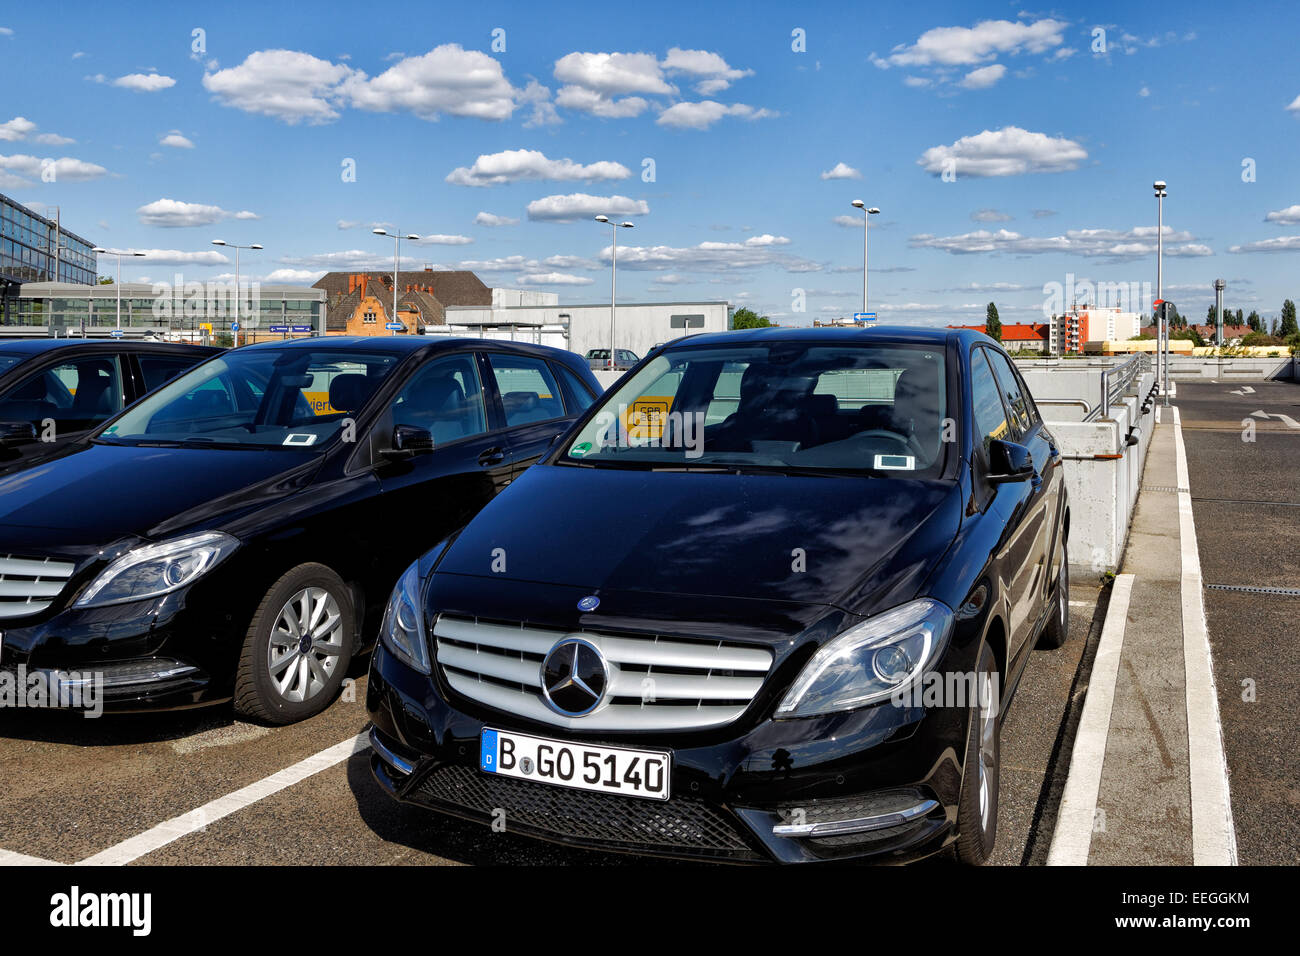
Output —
(1190, 334)
(105, 280)
(992, 323)
(1254, 321)
(747, 318)
(1239, 319)
(1288, 327)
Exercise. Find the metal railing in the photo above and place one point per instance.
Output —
(1116, 380)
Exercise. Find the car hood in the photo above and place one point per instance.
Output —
(847, 542)
(94, 494)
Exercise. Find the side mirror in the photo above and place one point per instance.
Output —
(409, 441)
(1009, 461)
(16, 433)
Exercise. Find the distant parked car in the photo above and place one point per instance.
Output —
(237, 533)
(598, 359)
(55, 390)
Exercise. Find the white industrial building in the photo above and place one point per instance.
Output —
(639, 326)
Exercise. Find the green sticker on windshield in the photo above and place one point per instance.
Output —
(580, 449)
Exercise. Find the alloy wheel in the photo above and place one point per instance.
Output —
(305, 644)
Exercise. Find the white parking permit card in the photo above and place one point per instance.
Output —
(895, 463)
(300, 438)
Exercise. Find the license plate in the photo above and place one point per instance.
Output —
(628, 773)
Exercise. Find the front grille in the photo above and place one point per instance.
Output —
(30, 585)
(655, 683)
(680, 825)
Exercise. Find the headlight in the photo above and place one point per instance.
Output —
(403, 628)
(156, 569)
(871, 661)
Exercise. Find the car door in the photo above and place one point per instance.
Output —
(530, 403)
(1030, 558)
(425, 497)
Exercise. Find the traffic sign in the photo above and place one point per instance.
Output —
(301, 328)
(278, 328)
(864, 316)
(234, 326)
(117, 333)
(394, 326)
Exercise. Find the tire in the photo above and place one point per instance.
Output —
(1058, 625)
(977, 808)
(287, 672)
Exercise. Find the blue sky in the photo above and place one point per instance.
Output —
(1051, 131)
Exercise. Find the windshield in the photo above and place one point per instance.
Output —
(795, 406)
(263, 397)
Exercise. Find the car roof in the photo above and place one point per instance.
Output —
(43, 345)
(406, 344)
(847, 335)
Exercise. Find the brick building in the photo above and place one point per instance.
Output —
(361, 303)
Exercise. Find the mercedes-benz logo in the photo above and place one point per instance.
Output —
(589, 603)
(575, 676)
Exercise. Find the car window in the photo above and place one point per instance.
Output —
(577, 389)
(805, 405)
(158, 370)
(990, 417)
(527, 388)
(78, 393)
(445, 398)
(1009, 385)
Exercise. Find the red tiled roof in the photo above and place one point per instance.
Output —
(1015, 332)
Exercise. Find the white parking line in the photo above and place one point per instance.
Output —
(187, 823)
(1214, 839)
(10, 858)
(1074, 821)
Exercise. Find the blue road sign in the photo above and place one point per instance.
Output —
(394, 326)
(234, 326)
(278, 328)
(864, 316)
(301, 328)
(117, 333)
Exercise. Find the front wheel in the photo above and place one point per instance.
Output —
(298, 647)
(977, 809)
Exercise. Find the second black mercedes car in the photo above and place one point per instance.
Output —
(835, 550)
(237, 532)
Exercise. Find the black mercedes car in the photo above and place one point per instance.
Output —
(236, 533)
(53, 391)
(834, 551)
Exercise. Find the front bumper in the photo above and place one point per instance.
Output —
(882, 782)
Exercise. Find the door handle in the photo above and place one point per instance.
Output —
(493, 456)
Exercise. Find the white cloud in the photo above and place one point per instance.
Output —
(554, 278)
(176, 140)
(285, 84)
(1135, 243)
(65, 169)
(968, 46)
(17, 128)
(711, 70)
(490, 219)
(6, 31)
(348, 223)
(293, 276)
(448, 79)
(1144, 92)
(517, 165)
(179, 257)
(1276, 244)
(582, 206)
(544, 112)
(441, 240)
(705, 113)
(144, 82)
(1010, 151)
(849, 222)
(598, 104)
(365, 260)
(984, 77)
(841, 171)
(917, 82)
(764, 251)
(1289, 216)
(1295, 106)
(173, 213)
(613, 74)
(52, 139)
(990, 215)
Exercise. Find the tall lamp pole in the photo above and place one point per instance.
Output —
(238, 292)
(397, 239)
(613, 277)
(867, 213)
(1162, 331)
(118, 286)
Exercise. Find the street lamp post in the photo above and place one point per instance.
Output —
(397, 239)
(1162, 331)
(867, 213)
(238, 293)
(119, 253)
(613, 278)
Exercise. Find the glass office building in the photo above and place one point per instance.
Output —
(30, 245)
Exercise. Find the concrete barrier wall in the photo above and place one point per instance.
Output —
(1234, 369)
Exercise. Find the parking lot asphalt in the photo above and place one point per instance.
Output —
(1246, 503)
(79, 788)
